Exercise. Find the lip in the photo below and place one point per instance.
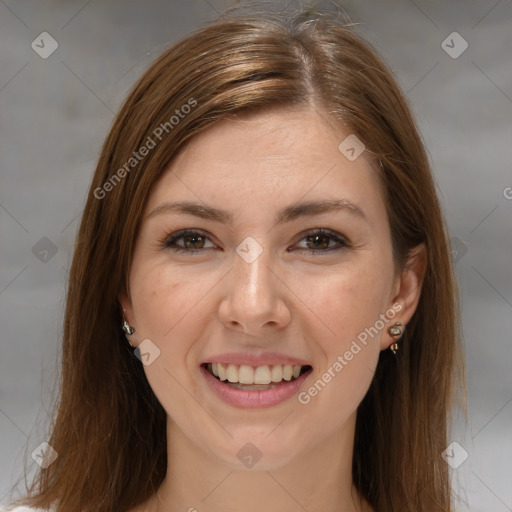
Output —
(266, 358)
(254, 399)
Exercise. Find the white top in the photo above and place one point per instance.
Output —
(21, 509)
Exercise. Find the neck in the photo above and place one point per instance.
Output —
(316, 478)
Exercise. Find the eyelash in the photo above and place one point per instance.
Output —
(169, 242)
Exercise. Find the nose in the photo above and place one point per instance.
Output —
(256, 297)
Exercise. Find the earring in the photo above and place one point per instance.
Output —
(127, 328)
(395, 332)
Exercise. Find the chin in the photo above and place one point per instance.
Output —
(258, 453)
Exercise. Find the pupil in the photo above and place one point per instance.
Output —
(187, 238)
(317, 237)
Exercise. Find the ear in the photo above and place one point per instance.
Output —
(407, 290)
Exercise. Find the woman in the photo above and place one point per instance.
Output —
(261, 312)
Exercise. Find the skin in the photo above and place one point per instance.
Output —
(290, 300)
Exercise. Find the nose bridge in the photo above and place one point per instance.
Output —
(254, 295)
(252, 271)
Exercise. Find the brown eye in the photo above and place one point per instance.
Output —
(193, 241)
(320, 241)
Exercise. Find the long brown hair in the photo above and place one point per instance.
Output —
(109, 430)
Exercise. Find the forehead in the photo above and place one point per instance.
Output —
(269, 158)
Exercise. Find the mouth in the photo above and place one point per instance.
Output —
(256, 378)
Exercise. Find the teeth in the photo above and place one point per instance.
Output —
(231, 373)
(246, 375)
(277, 373)
(261, 375)
(288, 372)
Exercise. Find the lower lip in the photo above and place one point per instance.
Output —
(254, 399)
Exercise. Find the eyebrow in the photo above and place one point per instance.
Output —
(287, 214)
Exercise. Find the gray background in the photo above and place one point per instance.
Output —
(55, 113)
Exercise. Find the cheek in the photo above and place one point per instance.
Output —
(350, 302)
(161, 301)
(348, 330)
(171, 309)
(155, 294)
(351, 309)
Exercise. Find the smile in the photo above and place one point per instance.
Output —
(252, 387)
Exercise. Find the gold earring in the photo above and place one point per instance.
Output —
(395, 332)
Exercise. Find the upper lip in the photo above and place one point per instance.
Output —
(266, 358)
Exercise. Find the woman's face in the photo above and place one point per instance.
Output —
(256, 280)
